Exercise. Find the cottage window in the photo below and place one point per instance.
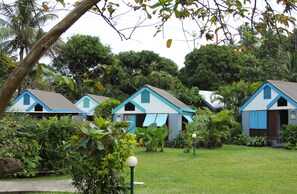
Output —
(26, 99)
(267, 92)
(282, 102)
(145, 97)
(129, 107)
(258, 119)
(86, 103)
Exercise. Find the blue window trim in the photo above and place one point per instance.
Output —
(145, 96)
(41, 104)
(267, 92)
(86, 103)
(126, 102)
(26, 99)
(278, 97)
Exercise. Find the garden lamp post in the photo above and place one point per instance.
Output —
(194, 142)
(132, 162)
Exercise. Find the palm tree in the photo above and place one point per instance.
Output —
(21, 27)
(291, 64)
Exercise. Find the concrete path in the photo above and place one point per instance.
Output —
(40, 186)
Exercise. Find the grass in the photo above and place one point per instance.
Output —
(231, 169)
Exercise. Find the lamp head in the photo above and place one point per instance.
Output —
(194, 135)
(132, 161)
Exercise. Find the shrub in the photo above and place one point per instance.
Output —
(177, 142)
(240, 139)
(16, 142)
(289, 136)
(100, 152)
(260, 141)
(153, 136)
(53, 133)
(38, 144)
(212, 129)
(104, 108)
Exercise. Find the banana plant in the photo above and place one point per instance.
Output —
(153, 136)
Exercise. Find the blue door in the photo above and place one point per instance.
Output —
(132, 124)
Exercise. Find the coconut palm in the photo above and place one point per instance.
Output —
(20, 27)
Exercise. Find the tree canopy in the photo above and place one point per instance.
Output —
(211, 66)
(210, 17)
(84, 57)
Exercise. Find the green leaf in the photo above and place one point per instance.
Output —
(84, 142)
(100, 121)
(238, 4)
(99, 144)
(155, 5)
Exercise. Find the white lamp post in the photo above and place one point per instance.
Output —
(194, 142)
(132, 162)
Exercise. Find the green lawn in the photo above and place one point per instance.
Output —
(231, 169)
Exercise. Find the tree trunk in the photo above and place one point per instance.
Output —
(38, 50)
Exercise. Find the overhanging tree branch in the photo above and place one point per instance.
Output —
(39, 50)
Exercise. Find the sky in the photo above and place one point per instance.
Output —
(181, 32)
(142, 38)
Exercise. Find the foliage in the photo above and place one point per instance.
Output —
(234, 95)
(189, 96)
(85, 58)
(212, 129)
(211, 66)
(17, 143)
(177, 142)
(37, 143)
(104, 108)
(219, 13)
(20, 26)
(153, 136)
(99, 159)
(257, 141)
(146, 62)
(237, 138)
(289, 136)
(6, 66)
(205, 15)
(52, 133)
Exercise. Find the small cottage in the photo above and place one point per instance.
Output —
(153, 105)
(88, 103)
(42, 104)
(274, 104)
